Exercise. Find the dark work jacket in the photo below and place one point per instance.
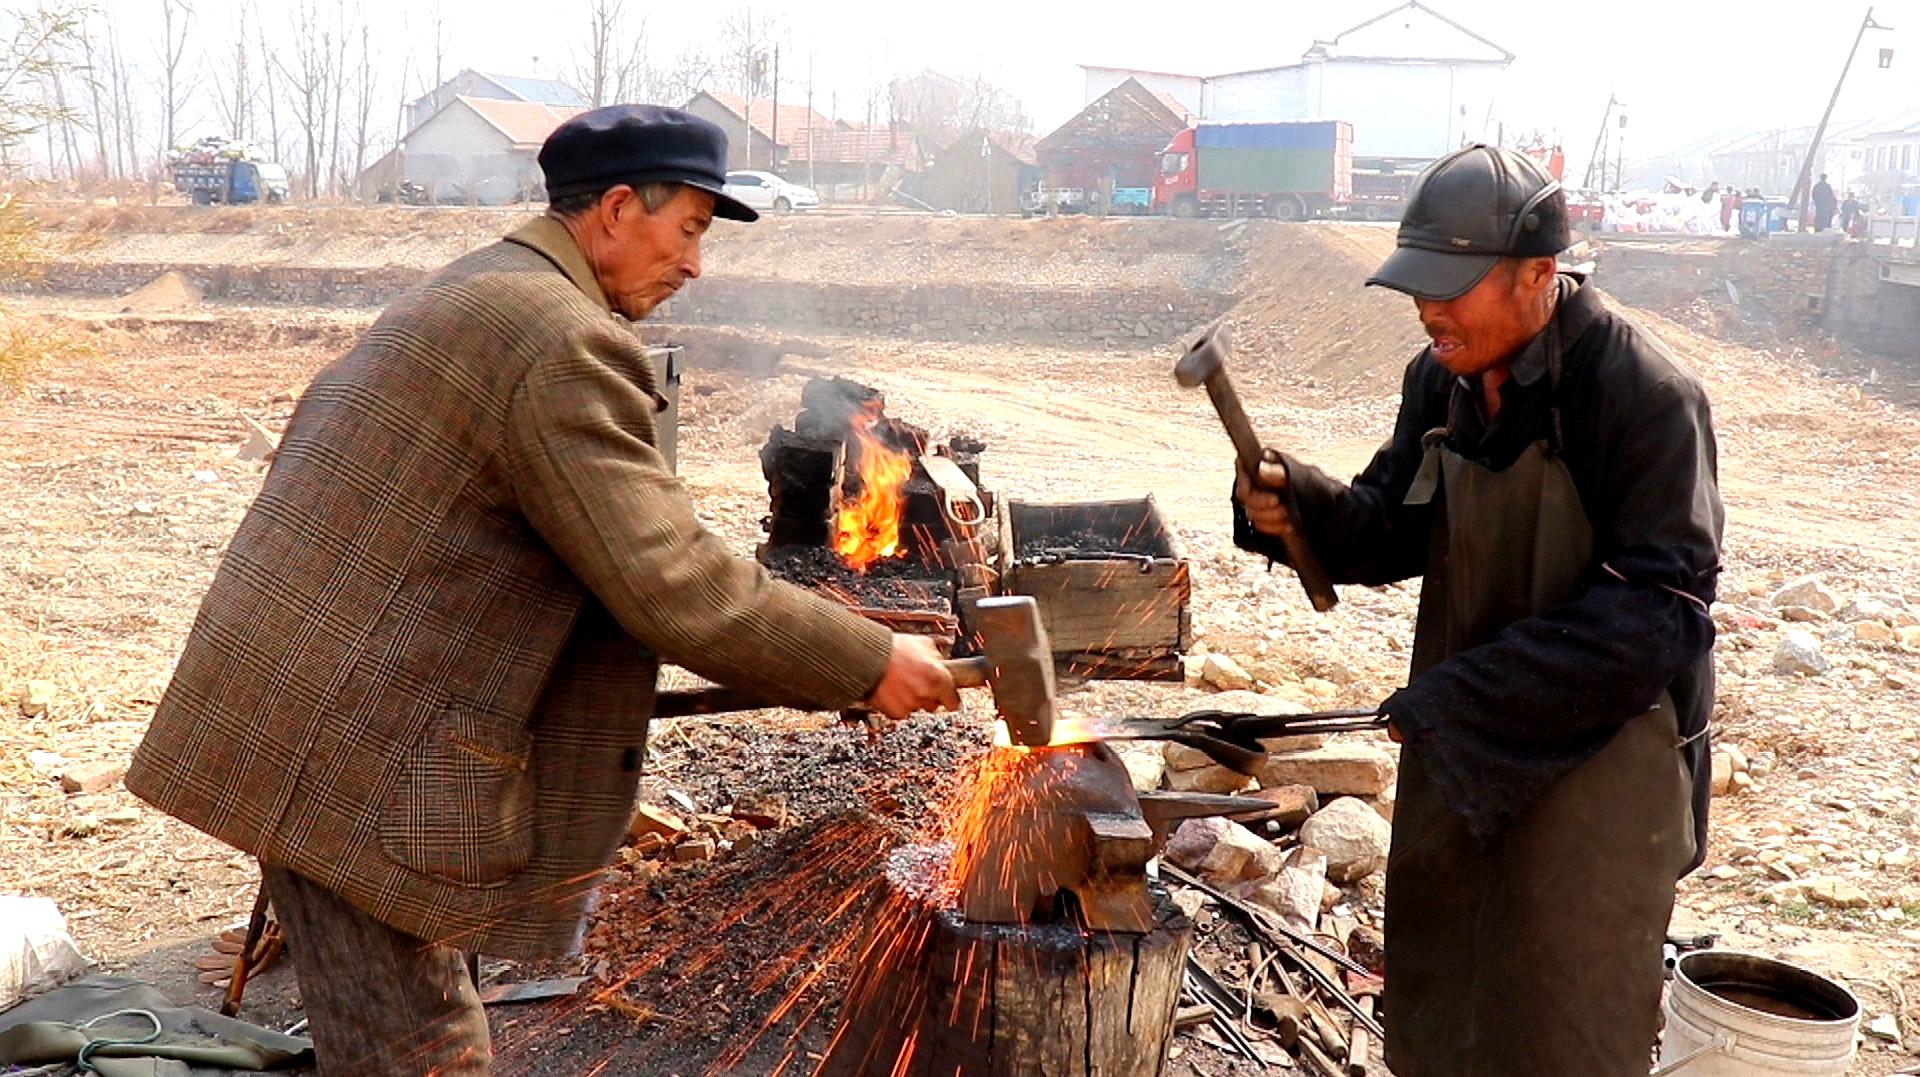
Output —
(1637, 436)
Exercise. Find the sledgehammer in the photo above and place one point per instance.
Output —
(1206, 364)
(1018, 666)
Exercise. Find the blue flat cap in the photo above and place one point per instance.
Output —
(638, 144)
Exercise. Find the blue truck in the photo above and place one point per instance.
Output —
(229, 182)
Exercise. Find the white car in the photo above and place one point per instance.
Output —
(766, 191)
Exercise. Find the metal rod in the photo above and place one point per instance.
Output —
(1263, 922)
(1266, 921)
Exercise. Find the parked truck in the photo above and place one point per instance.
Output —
(231, 182)
(225, 171)
(1291, 170)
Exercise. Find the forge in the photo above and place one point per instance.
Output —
(877, 513)
(864, 507)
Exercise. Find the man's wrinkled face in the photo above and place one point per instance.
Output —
(1494, 319)
(641, 258)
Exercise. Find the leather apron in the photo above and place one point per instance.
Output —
(1537, 955)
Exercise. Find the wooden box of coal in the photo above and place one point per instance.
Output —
(1111, 581)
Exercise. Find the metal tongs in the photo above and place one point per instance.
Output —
(1232, 738)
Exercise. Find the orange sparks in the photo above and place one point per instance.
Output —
(867, 528)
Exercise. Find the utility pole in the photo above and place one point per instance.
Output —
(1797, 201)
(1620, 156)
(1599, 154)
(810, 182)
(773, 147)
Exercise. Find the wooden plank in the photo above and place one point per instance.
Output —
(1101, 605)
(1130, 664)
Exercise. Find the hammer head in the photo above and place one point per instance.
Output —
(1204, 359)
(1020, 666)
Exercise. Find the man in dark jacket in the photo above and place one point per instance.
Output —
(1823, 204)
(1551, 475)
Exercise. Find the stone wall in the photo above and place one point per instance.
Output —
(927, 312)
(1815, 283)
(941, 312)
(1870, 312)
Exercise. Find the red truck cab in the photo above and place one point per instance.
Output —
(1178, 175)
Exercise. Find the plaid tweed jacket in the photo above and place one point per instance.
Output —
(423, 672)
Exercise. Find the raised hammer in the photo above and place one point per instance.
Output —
(1206, 364)
(1017, 666)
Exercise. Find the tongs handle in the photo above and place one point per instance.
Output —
(1246, 728)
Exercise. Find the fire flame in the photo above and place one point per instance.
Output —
(867, 528)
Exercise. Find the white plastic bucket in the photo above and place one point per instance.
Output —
(1741, 1015)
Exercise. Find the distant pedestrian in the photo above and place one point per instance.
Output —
(1848, 211)
(1822, 204)
(1729, 207)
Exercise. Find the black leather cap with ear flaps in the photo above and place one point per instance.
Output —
(1467, 211)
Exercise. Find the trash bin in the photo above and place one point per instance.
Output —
(1760, 216)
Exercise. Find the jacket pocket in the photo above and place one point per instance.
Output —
(463, 807)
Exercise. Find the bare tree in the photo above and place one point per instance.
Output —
(608, 67)
(94, 84)
(176, 23)
(126, 123)
(339, 75)
(363, 104)
(234, 94)
(268, 64)
(40, 47)
(695, 68)
(309, 82)
(746, 54)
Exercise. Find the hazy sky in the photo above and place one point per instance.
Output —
(1684, 68)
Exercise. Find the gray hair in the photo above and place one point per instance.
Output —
(651, 195)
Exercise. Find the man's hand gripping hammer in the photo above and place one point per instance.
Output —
(1205, 363)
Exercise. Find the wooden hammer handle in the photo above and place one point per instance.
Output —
(1246, 444)
(688, 702)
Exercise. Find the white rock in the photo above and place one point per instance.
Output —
(1211, 778)
(1735, 756)
(1294, 892)
(1225, 674)
(1145, 762)
(46, 763)
(1799, 653)
(1218, 851)
(1865, 607)
(1384, 801)
(1722, 774)
(1806, 591)
(1339, 768)
(1353, 836)
(1820, 890)
(1884, 1027)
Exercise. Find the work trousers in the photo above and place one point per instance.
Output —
(379, 1002)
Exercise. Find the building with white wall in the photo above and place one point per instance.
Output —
(1414, 84)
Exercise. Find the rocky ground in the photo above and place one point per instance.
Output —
(121, 485)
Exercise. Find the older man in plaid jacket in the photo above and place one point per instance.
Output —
(418, 688)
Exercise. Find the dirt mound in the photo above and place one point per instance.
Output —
(1306, 319)
(172, 290)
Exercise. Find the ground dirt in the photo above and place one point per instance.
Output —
(119, 486)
